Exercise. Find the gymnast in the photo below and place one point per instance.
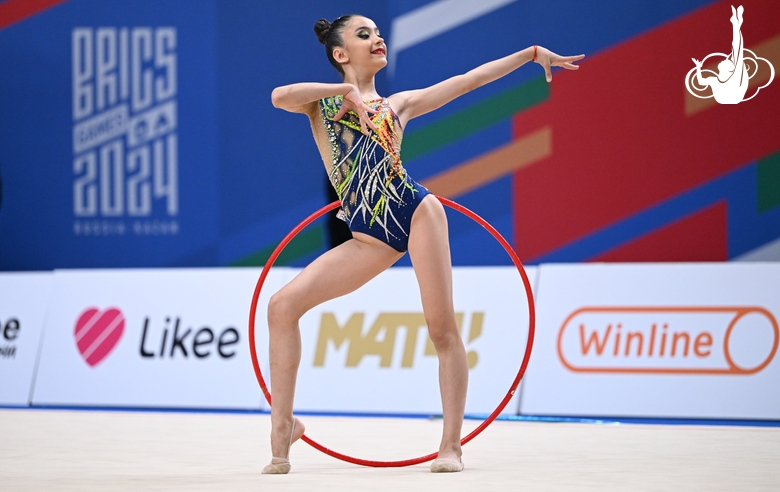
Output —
(731, 84)
(358, 134)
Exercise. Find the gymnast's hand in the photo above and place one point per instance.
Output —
(354, 102)
(547, 59)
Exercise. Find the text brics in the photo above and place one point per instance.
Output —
(111, 64)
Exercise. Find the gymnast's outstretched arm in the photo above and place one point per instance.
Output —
(410, 104)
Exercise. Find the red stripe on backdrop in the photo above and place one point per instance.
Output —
(700, 236)
(13, 11)
(622, 141)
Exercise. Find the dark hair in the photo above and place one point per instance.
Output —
(329, 34)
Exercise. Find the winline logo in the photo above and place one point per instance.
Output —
(737, 340)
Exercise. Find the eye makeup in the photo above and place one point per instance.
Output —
(363, 32)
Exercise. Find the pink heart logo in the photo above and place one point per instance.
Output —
(97, 333)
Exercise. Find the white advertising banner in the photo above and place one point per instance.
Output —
(158, 338)
(24, 298)
(656, 340)
(369, 352)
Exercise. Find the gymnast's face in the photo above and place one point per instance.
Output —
(363, 47)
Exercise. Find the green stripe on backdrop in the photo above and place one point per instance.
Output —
(307, 242)
(768, 182)
(475, 118)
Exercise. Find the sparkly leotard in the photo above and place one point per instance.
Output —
(377, 196)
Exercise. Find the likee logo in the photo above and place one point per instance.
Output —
(97, 333)
(125, 141)
(668, 340)
(730, 84)
(380, 339)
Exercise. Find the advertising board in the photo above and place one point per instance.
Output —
(656, 340)
(24, 298)
(368, 352)
(155, 338)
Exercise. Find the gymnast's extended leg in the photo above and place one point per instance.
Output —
(430, 254)
(336, 273)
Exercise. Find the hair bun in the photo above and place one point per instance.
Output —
(322, 29)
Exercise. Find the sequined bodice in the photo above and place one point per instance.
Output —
(345, 135)
(366, 170)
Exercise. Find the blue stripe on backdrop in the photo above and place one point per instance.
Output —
(483, 202)
(477, 248)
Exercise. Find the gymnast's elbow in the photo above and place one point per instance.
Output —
(277, 97)
(284, 97)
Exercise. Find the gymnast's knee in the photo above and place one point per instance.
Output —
(281, 310)
(443, 331)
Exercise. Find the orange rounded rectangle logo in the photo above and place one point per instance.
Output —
(736, 340)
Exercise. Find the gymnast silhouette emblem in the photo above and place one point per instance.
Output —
(730, 84)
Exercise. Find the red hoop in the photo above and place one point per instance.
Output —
(422, 459)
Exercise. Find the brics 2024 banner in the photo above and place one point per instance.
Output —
(141, 134)
(107, 157)
(125, 142)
